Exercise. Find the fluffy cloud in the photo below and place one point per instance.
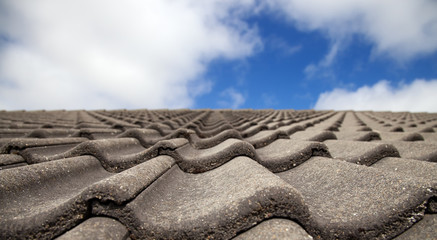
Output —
(400, 30)
(110, 54)
(136, 54)
(418, 96)
(231, 98)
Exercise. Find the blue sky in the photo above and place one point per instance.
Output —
(362, 55)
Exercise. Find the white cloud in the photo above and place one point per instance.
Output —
(418, 96)
(401, 30)
(107, 54)
(136, 54)
(231, 99)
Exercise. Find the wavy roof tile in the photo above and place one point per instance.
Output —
(218, 174)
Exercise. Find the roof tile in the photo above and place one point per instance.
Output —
(350, 201)
(190, 174)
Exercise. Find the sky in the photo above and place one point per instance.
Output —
(259, 54)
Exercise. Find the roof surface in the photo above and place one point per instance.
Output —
(219, 174)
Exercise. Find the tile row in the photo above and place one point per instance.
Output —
(246, 174)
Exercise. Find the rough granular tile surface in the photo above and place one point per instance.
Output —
(218, 174)
(276, 228)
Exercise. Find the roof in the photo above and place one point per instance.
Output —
(248, 174)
